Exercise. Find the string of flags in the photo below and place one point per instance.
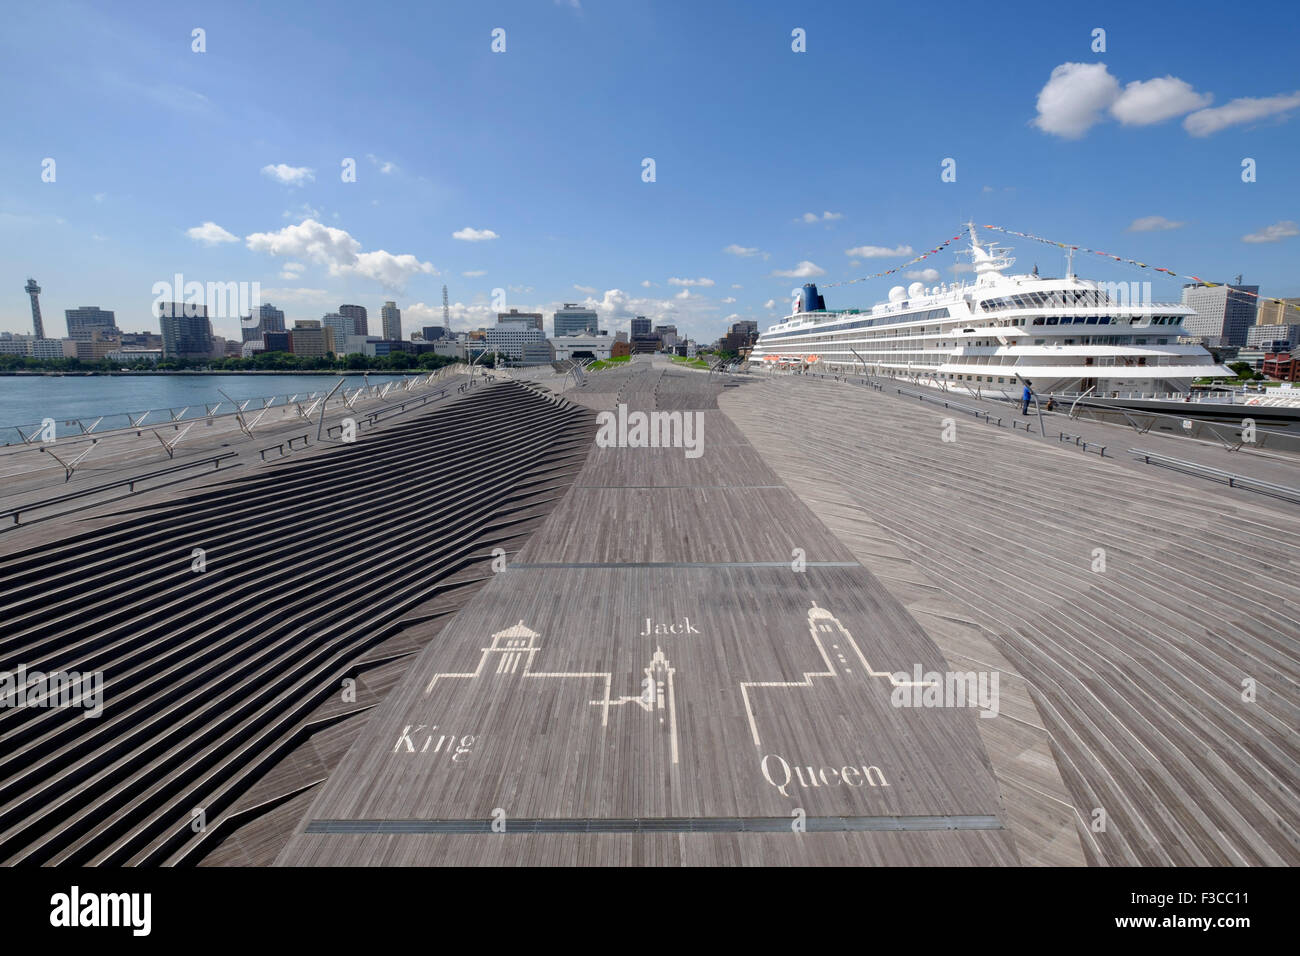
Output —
(925, 255)
(1135, 262)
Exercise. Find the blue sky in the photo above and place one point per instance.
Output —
(542, 146)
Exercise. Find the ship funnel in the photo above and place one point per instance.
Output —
(809, 300)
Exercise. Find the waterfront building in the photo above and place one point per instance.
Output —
(186, 331)
(310, 339)
(1224, 313)
(573, 319)
(514, 315)
(1259, 336)
(391, 321)
(1277, 312)
(265, 318)
(357, 313)
(85, 320)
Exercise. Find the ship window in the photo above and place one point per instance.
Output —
(1092, 320)
(1052, 321)
(1038, 321)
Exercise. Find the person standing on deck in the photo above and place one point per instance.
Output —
(1024, 401)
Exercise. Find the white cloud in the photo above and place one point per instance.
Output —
(585, 288)
(824, 217)
(1153, 224)
(770, 304)
(1074, 98)
(684, 294)
(804, 270)
(690, 282)
(960, 267)
(305, 211)
(210, 234)
(987, 189)
(99, 197)
(474, 273)
(878, 252)
(1274, 233)
(383, 165)
(745, 252)
(728, 300)
(474, 235)
(737, 285)
(1244, 110)
(336, 249)
(289, 175)
(1144, 102)
(646, 284)
(925, 275)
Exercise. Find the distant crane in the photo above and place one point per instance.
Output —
(446, 311)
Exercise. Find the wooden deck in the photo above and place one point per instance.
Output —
(545, 701)
(1140, 670)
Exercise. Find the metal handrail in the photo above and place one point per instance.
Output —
(1232, 478)
(130, 483)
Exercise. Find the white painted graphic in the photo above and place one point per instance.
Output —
(824, 627)
(512, 654)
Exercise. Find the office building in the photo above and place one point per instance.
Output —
(509, 338)
(573, 319)
(1262, 335)
(186, 331)
(640, 326)
(276, 342)
(434, 333)
(310, 339)
(342, 327)
(537, 353)
(514, 315)
(83, 321)
(391, 317)
(1284, 366)
(265, 318)
(1224, 313)
(357, 313)
(1278, 312)
(98, 343)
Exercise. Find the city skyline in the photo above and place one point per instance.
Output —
(787, 171)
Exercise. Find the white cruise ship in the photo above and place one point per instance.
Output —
(1063, 336)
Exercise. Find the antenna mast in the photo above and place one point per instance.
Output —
(446, 312)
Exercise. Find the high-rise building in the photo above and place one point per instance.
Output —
(1224, 313)
(573, 319)
(640, 326)
(84, 321)
(1278, 312)
(341, 326)
(514, 315)
(33, 290)
(310, 339)
(392, 322)
(265, 318)
(357, 313)
(186, 331)
(432, 333)
(667, 335)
